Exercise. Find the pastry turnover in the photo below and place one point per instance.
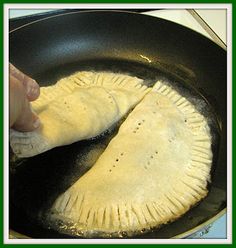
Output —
(151, 173)
(78, 107)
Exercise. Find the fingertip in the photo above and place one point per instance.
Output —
(32, 89)
(29, 126)
(36, 123)
(28, 121)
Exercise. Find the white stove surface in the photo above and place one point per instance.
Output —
(215, 19)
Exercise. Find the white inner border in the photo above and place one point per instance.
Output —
(229, 124)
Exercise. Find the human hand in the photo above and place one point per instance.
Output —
(23, 90)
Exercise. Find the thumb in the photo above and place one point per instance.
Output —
(28, 120)
(32, 89)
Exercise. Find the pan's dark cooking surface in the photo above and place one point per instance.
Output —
(143, 46)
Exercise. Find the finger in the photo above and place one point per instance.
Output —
(21, 116)
(32, 89)
(17, 95)
(27, 121)
(15, 72)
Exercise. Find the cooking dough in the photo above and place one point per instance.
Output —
(151, 173)
(78, 107)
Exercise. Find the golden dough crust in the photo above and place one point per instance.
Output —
(152, 171)
(78, 107)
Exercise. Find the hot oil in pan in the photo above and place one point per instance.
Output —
(36, 182)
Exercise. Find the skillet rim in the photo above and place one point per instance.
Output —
(115, 11)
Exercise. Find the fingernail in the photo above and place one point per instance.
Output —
(36, 123)
(31, 88)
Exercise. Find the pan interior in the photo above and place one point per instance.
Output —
(36, 182)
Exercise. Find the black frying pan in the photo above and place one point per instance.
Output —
(147, 47)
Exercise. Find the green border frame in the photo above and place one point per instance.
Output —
(118, 1)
